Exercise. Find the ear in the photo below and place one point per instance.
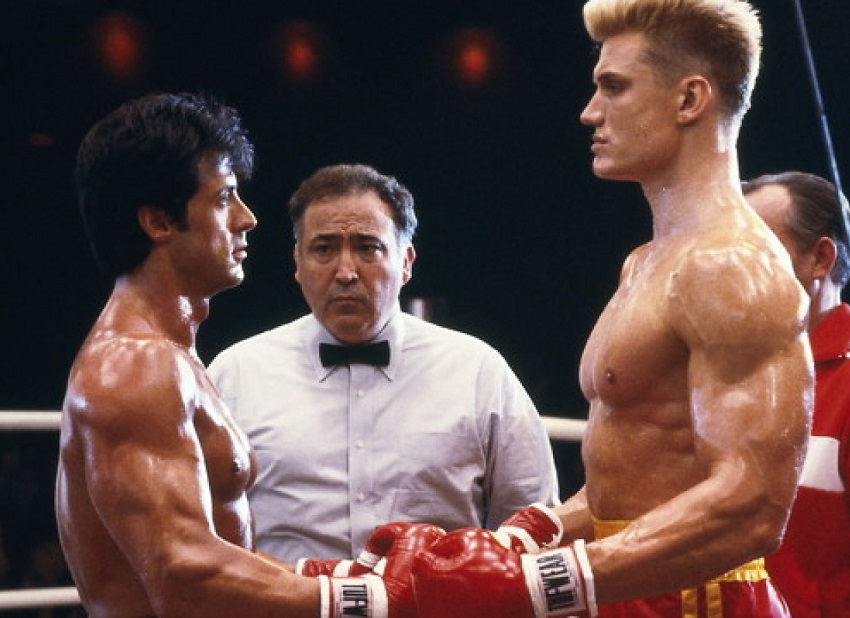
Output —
(825, 253)
(695, 94)
(407, 267)
(155, 223)
(295, 256)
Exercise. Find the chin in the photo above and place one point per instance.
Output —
(601, 169)
(234, 280)
(348, 331)
(608, 173)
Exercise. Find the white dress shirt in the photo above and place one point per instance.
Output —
(444, 434)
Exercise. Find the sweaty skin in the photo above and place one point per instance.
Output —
(150, 498)
(698, 371)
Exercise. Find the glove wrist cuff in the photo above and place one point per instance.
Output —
(353, 596)
(560, 582)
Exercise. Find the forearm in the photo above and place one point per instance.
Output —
(575, 518)
(696, 536)
(230, 582)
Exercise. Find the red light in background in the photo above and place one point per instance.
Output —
(40, 139)
(300, 50)
(474, 56)
(119, 43)
(474, 62)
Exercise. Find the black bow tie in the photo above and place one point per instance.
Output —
(377, 354)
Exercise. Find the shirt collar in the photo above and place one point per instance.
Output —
(393, 332)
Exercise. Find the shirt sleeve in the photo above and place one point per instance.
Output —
(520, 464)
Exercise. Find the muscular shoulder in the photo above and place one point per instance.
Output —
(739, 293)
(126, 380)
(632, 260)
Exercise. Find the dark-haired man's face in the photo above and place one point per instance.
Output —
(350, 266)
(211, 245)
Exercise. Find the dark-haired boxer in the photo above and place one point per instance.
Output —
(150, 496)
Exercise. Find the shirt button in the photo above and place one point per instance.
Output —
(359, 444)
(360, 393)
(361, 497)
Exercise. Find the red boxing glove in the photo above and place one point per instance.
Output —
(470, 574)
(377, 546)
(308, 567)
(531, 530)
(364, 563)
(391, 594)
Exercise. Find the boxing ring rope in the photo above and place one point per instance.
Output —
(559, 429)
(44, 597)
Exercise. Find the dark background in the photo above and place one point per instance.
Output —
(518, 243)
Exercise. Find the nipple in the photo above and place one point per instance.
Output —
(609, 377)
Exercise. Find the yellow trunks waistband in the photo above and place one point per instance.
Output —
(752, 571)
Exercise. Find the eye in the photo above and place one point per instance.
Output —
(371, 250)
(225, 196)
(322, 251)
(612, 87)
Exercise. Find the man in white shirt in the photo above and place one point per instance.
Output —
(427, 424)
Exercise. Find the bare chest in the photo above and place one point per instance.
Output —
(227, 454)
(633, 355)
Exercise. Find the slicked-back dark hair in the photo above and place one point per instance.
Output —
(147, 153)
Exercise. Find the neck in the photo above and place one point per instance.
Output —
(169, 314)
(701, 179)
(686, 204)
(823, 301)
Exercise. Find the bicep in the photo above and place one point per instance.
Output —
(749, 370)
(146, 476)
(740, 406)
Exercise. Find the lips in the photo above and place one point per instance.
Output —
(597, 144)
(240, 253)
(346, 299)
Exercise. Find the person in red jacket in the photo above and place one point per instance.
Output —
(812, 567)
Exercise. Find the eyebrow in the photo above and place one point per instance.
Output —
(607, 72)
(358, 236)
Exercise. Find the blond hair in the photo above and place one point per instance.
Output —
(720, 39)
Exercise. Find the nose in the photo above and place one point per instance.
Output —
(590, 115)
(346, 268)
(243, 217)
